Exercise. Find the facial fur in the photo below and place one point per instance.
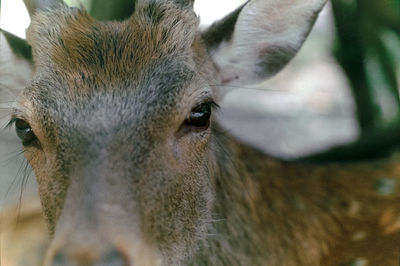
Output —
(108, 101)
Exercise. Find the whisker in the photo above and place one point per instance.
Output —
(11, 186)
(25, 172)
(25, 178)
(9, 122)
(216, 220)
(4, 88)
(13, 156)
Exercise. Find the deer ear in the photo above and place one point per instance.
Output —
(36, 5)
(257, 40)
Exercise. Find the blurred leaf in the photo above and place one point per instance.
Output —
(385, 96)
(389, 11)
(350, 54)
(391, 42)
(112, 10)
(388, 66)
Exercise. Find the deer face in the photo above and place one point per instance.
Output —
(116, 123)
(120, 114)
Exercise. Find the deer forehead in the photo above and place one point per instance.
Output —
(80, 49)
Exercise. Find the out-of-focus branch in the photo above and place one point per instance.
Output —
(350, 54)
(389, 68)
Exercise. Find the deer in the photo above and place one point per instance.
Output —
(133, 168)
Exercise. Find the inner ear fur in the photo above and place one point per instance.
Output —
(257, 40)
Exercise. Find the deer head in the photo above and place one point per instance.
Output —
(117, 122)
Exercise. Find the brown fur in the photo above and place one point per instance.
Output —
(76, 39)
(296, 214)
(117, 175)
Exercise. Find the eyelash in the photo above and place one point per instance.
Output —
(11, 123)
(214, 106)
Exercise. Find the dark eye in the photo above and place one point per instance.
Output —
(199, 117)
(24, 132)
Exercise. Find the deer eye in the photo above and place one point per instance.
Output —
(199, 117)
(24, 132)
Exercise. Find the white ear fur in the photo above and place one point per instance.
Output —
(266, 36)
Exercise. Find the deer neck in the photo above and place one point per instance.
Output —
(260, 213)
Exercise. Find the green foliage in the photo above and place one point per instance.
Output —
(368, 49)
(106, 9)
(367, 43)
(112, 10)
